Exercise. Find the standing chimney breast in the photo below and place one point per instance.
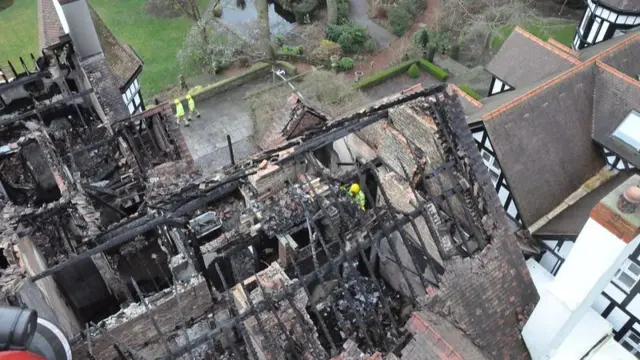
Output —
(81, 29)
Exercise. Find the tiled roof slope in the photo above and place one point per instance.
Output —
(49, 24)
(597, 49)
(615, 96)
(544, 142)
(434, 333)
(122, 60)
(524, 59)
(624, 5)
(469, 104)
(536, 117)
(626, 58)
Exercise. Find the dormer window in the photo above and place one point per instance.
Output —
(629, 130)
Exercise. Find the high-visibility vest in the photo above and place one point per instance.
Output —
(192, 104)
(360, 199)
(179, 110)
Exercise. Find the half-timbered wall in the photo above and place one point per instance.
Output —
(497, 177)
(616, 162)
(498, 86)
(600, 22)
(133, 98)
(555, 251)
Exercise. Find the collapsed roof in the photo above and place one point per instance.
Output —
(268, 257)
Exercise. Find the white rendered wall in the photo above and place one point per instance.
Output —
(555, 327)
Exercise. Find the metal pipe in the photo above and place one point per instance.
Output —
(233, 161)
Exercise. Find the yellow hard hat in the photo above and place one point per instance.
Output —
(188, 96)
(355, 188)
(176, 101)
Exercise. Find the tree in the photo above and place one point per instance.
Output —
(332, 11)
(477, 22)
(212, 46)
(189, 8)
(265, 33)
(421, 38)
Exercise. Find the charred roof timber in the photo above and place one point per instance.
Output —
(291, 266)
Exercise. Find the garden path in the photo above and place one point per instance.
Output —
(359, 14)
(380, 60)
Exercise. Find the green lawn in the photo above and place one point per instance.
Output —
(157, 41)
(18, 32)
(561, 30)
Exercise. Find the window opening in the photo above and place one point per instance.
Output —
(627, 276)
(629, 130)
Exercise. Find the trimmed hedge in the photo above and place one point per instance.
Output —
(390, 72)
(433, 69)
(384, 75)
(413, 71)
(469, 91)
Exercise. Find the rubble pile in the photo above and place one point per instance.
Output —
(368, 304)
(284, 210)
(136, 309)
(229, 211)
(170, 178)
(301, 337)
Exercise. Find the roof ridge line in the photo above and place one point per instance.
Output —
(468, 97)
(502, 108)
(617, 73)
(562, 47)
(616, 46)
(547, 46)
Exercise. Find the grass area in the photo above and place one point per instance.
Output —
(156, 41)
(18, 32)
(561, 30)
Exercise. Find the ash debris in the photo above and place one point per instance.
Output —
(272, 242)
(368, 300)
(285, 209)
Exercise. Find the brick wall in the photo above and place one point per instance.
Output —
(139, 333)
(112, 106)
(486, 297)
(175, 135)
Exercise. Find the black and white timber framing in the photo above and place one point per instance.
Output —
(132, 96)
(619, 303)
(616, 161)
(555, 251)
(600, 22)
(495, 171)
(498, 86)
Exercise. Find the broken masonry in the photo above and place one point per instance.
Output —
(111, 233)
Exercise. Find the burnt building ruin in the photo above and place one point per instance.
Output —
(111, 233)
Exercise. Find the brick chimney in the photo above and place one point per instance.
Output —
(76, 16)
(563, 325)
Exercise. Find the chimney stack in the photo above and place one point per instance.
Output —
(81, 29)
(629, 200)
(563, 325)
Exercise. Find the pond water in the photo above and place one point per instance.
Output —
(280, 20)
